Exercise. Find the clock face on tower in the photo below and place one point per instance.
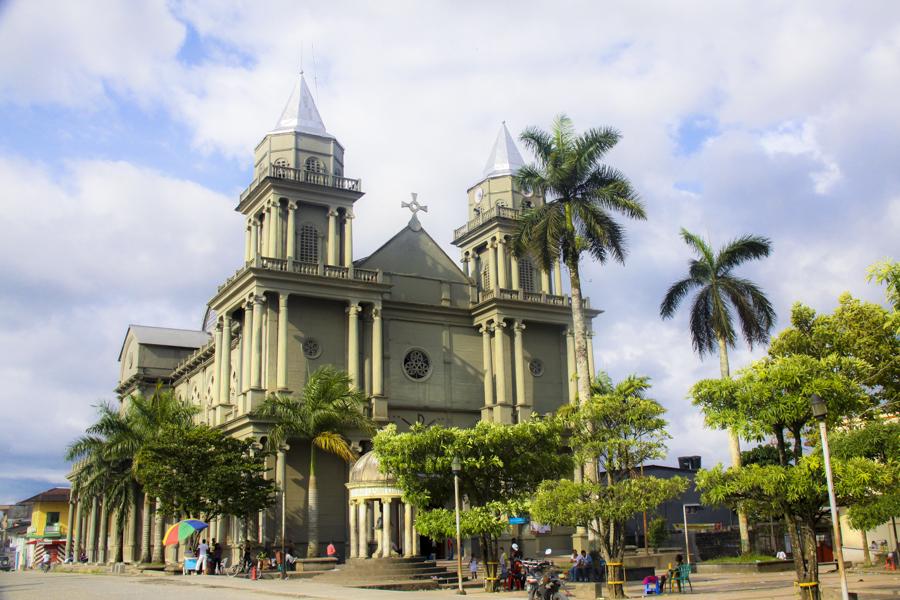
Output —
(479, 194)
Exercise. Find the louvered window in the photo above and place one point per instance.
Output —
(309, 244)
(526, 275)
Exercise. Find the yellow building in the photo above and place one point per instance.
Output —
(49, 514)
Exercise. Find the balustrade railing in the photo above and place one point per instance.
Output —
(305, 176)
(523, 296)
(308, 268)
(485, 216)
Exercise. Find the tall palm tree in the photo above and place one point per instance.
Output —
(720, 295)
(580, 194)
(105, 455)
(322, 414)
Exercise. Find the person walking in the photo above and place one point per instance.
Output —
(473, 568)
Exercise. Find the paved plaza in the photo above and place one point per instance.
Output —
(68, 586)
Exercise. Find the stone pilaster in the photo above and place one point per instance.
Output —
(545, 281)
(488, 364)
(332, 237)
(348, 239)
(217, 362)
(502, 281)
(514, 272)
(503, 407)
(254, 238)
(523, 411)
(353, 342)
(281, 366)
(557, 278)
(256, 346)
(292, 230)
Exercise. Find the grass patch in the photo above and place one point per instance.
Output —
(742, 559)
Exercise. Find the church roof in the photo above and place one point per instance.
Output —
(164, 336)
(413, 252)
(505, 158)
(300, 113)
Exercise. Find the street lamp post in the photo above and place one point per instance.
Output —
(820, 412)
(456, 467)
(687, 544)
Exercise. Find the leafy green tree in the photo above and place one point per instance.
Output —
(581, 194)
(326, 410)
(764, 454)
(887, 273)
(770, 400)
(657, 533)
(878, 440)
(720, 294)
(501, 467)
(115, 439)
(856, 329)
(620, 428)
(201, 472)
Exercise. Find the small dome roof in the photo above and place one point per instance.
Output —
(367, 469)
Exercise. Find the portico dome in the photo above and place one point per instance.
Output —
(368, 470)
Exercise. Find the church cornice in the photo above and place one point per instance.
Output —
(306, 183)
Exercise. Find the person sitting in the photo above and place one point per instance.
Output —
(780, 555)
(573, 570)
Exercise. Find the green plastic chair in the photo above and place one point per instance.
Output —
(684, 576)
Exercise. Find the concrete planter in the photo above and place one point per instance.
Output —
(769, 566)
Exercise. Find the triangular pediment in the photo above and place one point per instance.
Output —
(413, 252)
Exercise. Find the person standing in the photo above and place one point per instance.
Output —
(202, 557)
(216, 556)
(473, 568)
(450, 549)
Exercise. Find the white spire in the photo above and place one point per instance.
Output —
(300, 113)
(504, 158)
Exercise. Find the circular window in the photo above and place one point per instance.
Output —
(417, 365)
(536, 366)
(311, 348)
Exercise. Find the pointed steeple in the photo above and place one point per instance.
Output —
(300, 113)
(504, 158)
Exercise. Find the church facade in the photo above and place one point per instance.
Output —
(427, 340)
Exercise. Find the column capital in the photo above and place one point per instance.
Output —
(258, 299)
(518, 326)
(500, 322)
(348, 214)
(332, 212)
(293, 205)
(568, 332)
(353, 309)
(590, 334)
(219, 324)
(376, 312)
(283, 298)
(492, 243)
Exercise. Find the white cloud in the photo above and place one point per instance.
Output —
(801, 140)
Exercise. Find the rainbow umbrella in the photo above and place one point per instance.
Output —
(182, 530)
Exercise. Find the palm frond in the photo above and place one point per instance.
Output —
(334, 443)
(699, 245)
(702, 336)
(602, 233)
(740, 250)
(538, 141)
(675, 295)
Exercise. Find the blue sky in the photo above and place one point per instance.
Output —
(127, 130)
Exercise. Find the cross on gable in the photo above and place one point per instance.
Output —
(414, 205)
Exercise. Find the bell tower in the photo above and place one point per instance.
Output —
(495, 204)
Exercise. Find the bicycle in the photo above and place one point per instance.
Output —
(238, 568)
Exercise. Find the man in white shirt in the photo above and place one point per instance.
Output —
(202, 556)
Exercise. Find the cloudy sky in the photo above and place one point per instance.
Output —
(127, 129)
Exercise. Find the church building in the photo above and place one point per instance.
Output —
(428, 340)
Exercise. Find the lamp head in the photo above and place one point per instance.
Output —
(819, 409)
(455, 465)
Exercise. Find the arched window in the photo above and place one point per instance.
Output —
(280, 165)
(314, 165)
(526, 275)
(308, 248)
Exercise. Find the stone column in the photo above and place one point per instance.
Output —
(291, 231)
(557, 278)
(225, 364)
(570, 364)
(281, 366)
(281, 483)
(377, 353)
(386, 527)
(519, 353)
(79, 528)
(70, 519)
(415, 533)
(332, 237)
(158, 530)
(500, 361)
(590, 348)
(348, 239)
(407, 530)
(254, 238)
(256, 346)
(246, 343)
(353, 551)
(353, 342)
(103, 536)
(92, 531)
(217, 362)
(502, 281)
(514, 271)
(465, 264)
(492, 264)
(274, 226)
(248, 237)
(363, 529)
(239, 369)
(488, 372)
(130, 529)
(545, 281)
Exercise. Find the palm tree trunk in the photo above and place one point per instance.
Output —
(312, 507)
(734, 445)
(146, 520)
(582, 369)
